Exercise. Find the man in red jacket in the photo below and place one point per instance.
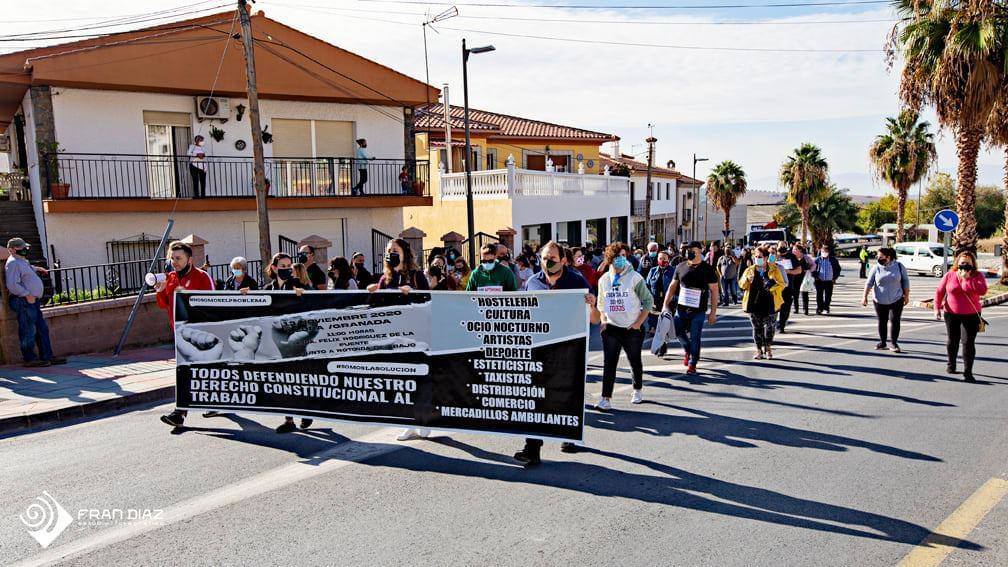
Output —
(183, 275)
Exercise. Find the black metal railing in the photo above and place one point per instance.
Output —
(482, 239)
(120, 176)
(287, 246)
(83, 284)
(379, 241)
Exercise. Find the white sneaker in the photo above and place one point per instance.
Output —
(411, 433)
(637, 397)
(604, 404)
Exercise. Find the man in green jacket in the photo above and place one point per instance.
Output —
(863, 256)
(491, 275)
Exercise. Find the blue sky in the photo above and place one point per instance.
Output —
(750, 107)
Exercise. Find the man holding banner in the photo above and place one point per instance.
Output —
(555, 274)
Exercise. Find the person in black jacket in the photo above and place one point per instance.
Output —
(826, 272)
(361, 274)
(240, 278)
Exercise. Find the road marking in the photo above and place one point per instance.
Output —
(937, 546)
(371, 445)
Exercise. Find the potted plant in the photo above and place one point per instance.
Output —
(50, 159)
(418, 188)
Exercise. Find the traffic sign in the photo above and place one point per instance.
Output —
(946, 220)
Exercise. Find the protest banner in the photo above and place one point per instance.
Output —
(509, 363)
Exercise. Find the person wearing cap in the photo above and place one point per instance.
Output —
(362, 158)
(25, 288)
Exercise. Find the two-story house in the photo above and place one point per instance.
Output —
(533, 181)
(103, 128)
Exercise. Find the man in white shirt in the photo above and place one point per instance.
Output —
(362, 158)
(197, 167)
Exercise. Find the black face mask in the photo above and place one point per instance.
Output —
(392, 259)
(966, 267)
(553, 267)
(691, 254)
(183, 271)
(285, 273)
(302, 258)
(23, 252)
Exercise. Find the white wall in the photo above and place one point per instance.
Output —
(661, 206)
(111, 122)
(79, 238)
(539, 210)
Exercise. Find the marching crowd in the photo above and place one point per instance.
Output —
(671, 293)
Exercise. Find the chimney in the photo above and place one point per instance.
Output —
(670, 164)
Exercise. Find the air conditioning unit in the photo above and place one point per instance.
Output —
(213, 108)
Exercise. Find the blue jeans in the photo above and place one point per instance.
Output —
(32, 329)
(689, 329)
(727, 290)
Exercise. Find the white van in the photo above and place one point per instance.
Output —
(923, 257)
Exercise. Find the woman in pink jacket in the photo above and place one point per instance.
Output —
(958, 296)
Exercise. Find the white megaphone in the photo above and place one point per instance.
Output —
(153, 279)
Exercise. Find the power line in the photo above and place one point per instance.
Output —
(637, 7)
(333, 10)
(152, 16)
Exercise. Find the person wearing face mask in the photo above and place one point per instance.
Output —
(25, 299)
(624, 303)
(763, 286)
(461, 273)
(182, 275)
(960, 298)
(657, 281)
(240, 278)
(197, 167)
(401, 273)
(649, 259)
(360, 274)
(582, 263)
(727, 267)
(555, 274)
(491, 275)
(316, 276)
(826, 273)
(693, 286)
(890, 284)
(341, 275)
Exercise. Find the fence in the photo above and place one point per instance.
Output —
(82, 284)
(287, 246)
(379, 241)
(137, 176)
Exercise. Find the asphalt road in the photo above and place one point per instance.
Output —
(831, 454)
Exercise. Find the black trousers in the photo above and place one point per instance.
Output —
(823, 296)
(629, 341)
(954, 326)
(889, 316)
(198, 181)
(361, 180)
(864, 270)
(805, 301)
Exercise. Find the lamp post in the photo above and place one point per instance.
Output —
(696, 198)
(468, 145)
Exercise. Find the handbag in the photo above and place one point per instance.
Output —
(808, 283)
(982, 327)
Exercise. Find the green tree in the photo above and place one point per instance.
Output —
(871, 217)
(834, 213)
(902, 156)
(805, 173)
(725, 185)
(990, 210)
(939, 195)
(954, 60)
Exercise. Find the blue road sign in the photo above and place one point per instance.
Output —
(946, 220)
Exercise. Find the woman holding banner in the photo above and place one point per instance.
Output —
(401, 273)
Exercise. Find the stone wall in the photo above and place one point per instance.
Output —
(87, 327)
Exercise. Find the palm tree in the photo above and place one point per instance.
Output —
(805, 173)
(725, 185)
(834, 212)
(997, 129)
(902, 156)
(954, 60)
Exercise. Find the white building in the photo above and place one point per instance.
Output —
(123, 109)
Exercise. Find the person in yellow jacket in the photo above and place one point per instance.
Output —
(764, 286)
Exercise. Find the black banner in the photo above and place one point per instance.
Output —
(511, 363)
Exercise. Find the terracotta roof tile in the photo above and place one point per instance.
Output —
(431, 118)
(641, 167)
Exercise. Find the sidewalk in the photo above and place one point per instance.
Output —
(86, 385)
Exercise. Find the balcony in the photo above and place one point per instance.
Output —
(513, 183)
(104, 183)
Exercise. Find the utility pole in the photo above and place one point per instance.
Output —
(648, 193)
(258, 165)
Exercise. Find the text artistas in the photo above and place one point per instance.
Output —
(507, 387)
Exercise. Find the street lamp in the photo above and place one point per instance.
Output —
(696, 199)
(468, 145)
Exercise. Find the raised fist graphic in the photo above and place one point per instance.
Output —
(244, 341)
(293, 333)
(199, 346)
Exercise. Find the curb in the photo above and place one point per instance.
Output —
(20, 423)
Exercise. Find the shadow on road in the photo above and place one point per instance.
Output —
(669, 486)
(734, 432)
(305, 444)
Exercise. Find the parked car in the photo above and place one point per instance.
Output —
(924, 257)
